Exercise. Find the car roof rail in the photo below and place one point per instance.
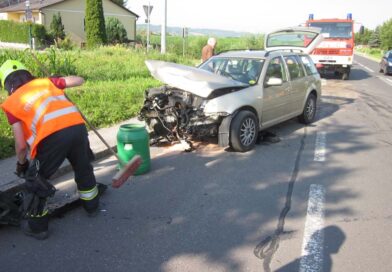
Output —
(233, 50)
(284, 50)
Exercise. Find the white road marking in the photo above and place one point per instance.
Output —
(320, 149)
(365, 67)
(313, 241)
(386, 80)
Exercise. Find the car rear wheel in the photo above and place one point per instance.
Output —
(309, 111)
(243, 132)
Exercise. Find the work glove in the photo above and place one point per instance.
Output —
(33, 205)
(21, 168)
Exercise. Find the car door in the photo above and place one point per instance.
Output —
(275, 98)
(298, 81)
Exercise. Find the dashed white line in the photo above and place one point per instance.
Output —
(313, 241)
(320, 149)
(386, 80)
(365, 67)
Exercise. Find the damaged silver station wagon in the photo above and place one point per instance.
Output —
(236, 94)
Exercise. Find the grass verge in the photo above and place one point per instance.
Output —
(116, 78)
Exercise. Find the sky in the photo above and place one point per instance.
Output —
(260, 16)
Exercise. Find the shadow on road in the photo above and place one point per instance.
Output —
(334, 238)
(205, 209)
(355, 74)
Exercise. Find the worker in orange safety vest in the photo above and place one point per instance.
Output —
(48, 129)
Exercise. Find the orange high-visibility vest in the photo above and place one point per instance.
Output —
(42, 109)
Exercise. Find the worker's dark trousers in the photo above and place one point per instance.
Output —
(70, 143)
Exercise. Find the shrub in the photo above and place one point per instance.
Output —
(115, 31)
(57, 27)
(95, 23)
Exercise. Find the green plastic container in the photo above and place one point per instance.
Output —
(133, 139)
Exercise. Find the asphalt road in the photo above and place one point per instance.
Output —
(319, 200)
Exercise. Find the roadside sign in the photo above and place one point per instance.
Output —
(147, 10)
(29, 15)
(184, 32)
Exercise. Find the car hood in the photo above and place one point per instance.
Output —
(191, 79)
(303, 39)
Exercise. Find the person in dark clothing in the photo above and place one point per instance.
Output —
(47, 129)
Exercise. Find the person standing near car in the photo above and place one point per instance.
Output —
(48, 129)
(208, 50)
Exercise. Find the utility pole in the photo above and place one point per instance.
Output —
(163, 29)
(29, 17)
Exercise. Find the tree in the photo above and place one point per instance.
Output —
(374, 40)
(120, 2)
(386, 35)
(57, 27)
(115, 31)
(95, 23)
(364, 37)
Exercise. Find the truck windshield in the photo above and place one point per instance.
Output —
(334, 30)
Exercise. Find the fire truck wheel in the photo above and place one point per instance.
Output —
(345, 75)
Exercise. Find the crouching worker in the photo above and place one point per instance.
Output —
(48, 126)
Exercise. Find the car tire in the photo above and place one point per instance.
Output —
(244, 131)
(309, 111)
(345, 75)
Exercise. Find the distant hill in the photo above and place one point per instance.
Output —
(194, 31)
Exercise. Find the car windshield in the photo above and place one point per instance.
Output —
(334, 30)
(245, 70)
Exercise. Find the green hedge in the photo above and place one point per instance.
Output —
(19, 32)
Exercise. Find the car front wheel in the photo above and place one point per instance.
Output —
(243, 132)
(309, 111)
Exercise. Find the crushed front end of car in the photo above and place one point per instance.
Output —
(176, 111)
(175, 115)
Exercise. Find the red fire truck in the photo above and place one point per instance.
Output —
(336, 52)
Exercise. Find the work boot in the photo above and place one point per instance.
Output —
(91, 206)
(36, 227)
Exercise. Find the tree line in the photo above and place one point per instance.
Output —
(381, 37)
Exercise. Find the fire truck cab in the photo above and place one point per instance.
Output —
(335, 53)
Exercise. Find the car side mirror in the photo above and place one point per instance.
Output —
(274, 81)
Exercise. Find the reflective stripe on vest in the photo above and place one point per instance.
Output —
(89, 194)
(48, 117)
(39, 112)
